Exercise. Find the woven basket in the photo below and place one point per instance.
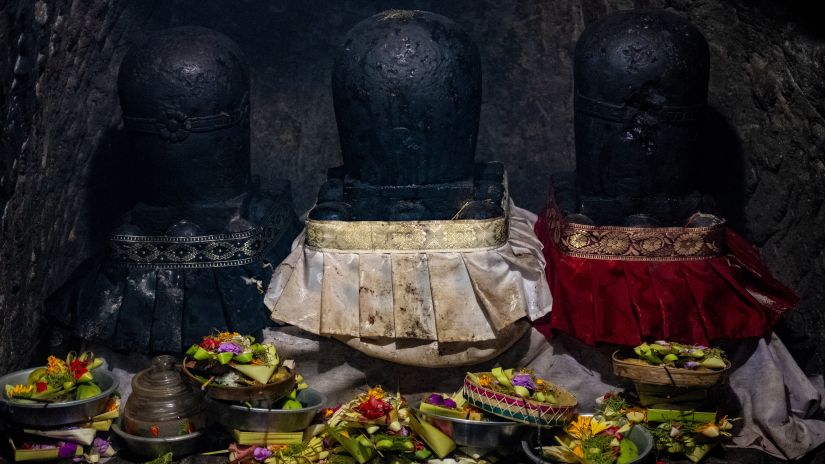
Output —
(520, 409)
(642, 372)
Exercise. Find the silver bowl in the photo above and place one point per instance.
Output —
(250, 419)
(43, 414)
(638, 435)
(474, 434)
(154, 447)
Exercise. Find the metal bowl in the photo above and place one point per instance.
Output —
(237, 416)
(153, 447)
(638, 435)
(42, 414)
(474, 434)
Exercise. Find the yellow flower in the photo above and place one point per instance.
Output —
(579, 451)
(585, 427)
(485, 381)
(18, 390)
(227, 336)
(55, 365)
(539, 382)
(376, 393)
(276, 448)
(345, 433)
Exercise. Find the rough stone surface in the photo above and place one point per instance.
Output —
(58, 61)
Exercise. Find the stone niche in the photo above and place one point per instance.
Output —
(60, 117)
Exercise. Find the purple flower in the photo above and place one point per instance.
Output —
(523, 380)
(261, 454)
(66, 450)
(691, 364)
(101, 445)
(439, 400)
(227, 347)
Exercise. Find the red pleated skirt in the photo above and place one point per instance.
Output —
(626, 285)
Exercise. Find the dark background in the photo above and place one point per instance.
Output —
(60, 116)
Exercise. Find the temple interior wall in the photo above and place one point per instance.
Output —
(60, 185)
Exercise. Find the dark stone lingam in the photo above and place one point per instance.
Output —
(407, 92)
(194, 252)
(641, 80)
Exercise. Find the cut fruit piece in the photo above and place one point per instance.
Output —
(440, 443)
(258, 373)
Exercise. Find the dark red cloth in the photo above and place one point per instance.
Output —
(626, 302)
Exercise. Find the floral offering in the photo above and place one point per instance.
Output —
(233, 360)
(522, 382)
(60, 380)
(379, 424)
(691, 433)
(664, 353)
(594, 440)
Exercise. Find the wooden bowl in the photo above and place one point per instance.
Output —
(283, 384)
(642, 372)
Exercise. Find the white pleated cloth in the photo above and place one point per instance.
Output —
(421, 308)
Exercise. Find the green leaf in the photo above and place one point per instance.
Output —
(360, 452)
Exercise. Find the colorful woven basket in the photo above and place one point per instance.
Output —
(642, 372)
(520, 409)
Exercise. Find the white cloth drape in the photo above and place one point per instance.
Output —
(425, 308)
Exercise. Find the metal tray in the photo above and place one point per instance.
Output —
(474, 434)
(238, 416)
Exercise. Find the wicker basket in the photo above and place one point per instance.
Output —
(519, 409)
(642, 372)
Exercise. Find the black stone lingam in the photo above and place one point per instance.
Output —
(641, 80)
(407, 92)
(196, 250)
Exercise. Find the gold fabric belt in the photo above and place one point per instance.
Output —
(411, 236)
(634, 243)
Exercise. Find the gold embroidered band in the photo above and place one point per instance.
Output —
(634, 243)
(411, 236)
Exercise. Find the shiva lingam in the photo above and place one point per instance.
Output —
(414, 253)
(193, 254)
(632, 252)
(406, 86)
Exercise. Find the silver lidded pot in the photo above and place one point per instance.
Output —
(162, 404)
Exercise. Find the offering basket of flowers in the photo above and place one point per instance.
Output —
(673, 364)
(233, 367)
(519, 396)
(62, 392)
(590, 440)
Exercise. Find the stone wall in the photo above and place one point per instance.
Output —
(58, 61)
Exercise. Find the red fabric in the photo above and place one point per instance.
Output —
(625, 302)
